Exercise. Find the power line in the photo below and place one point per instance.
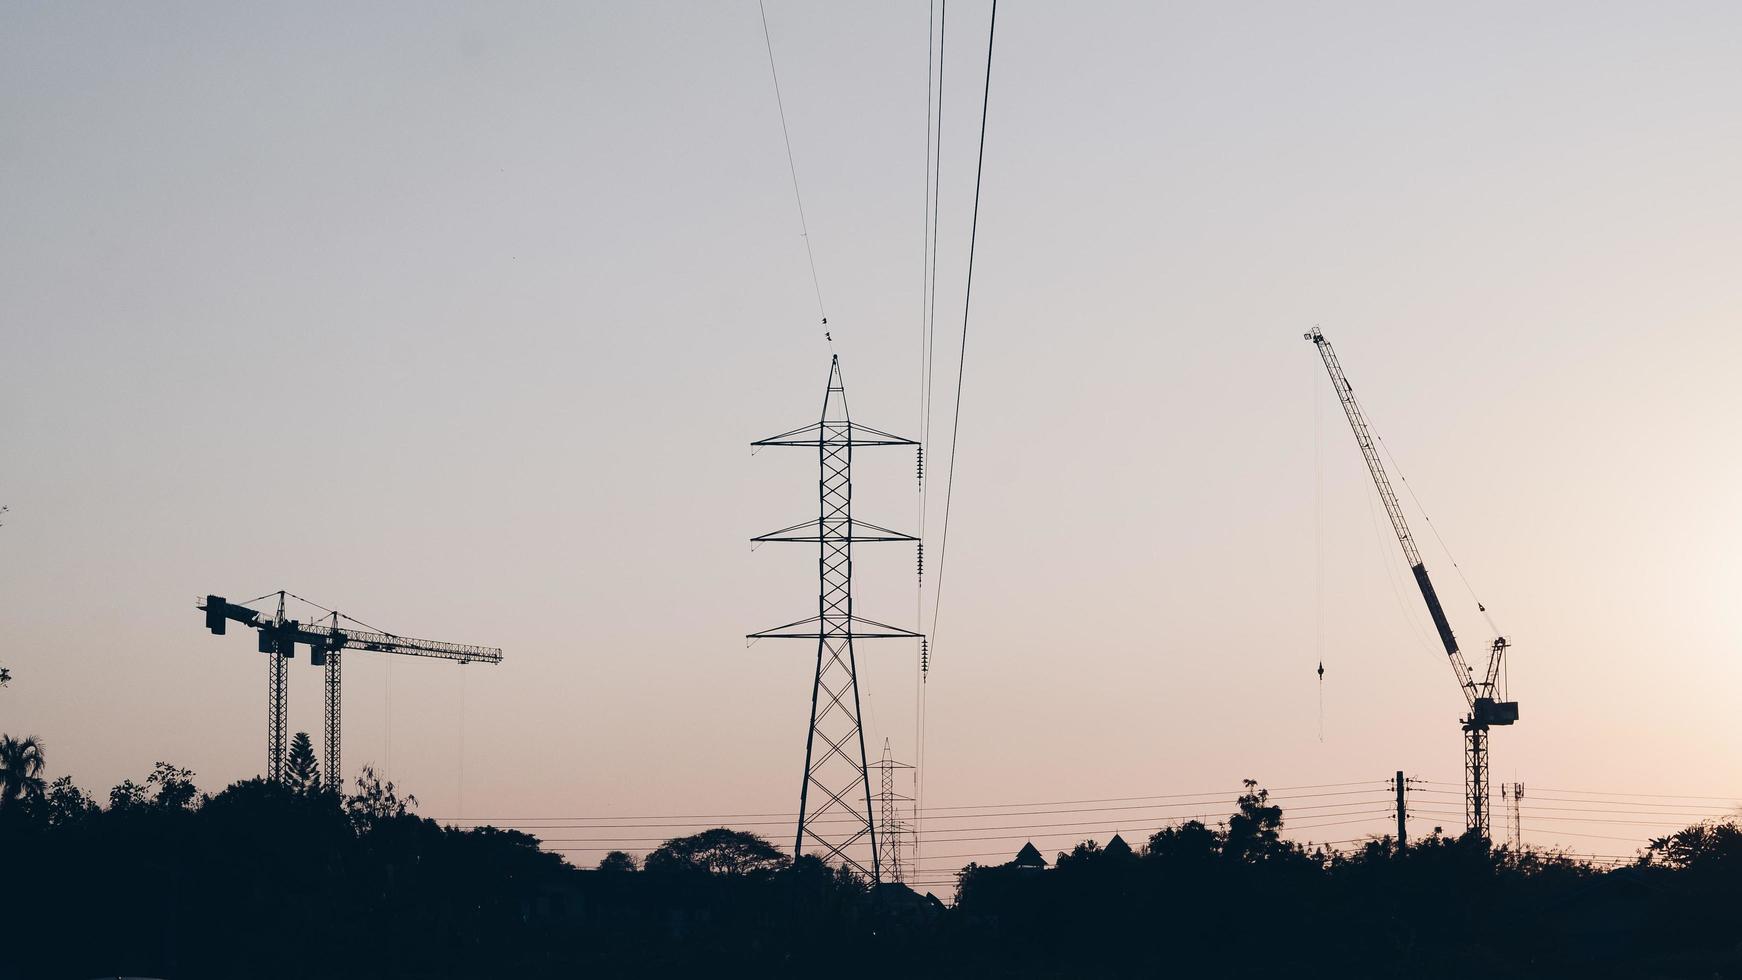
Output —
(927, 341)
(1369, 817)
(935, 154)
(1612, 793)
(1110, 812)
(1537, 819)
(967, 305)
(1143, 814)
(1206, 797)
(929, 222)
(803, 225)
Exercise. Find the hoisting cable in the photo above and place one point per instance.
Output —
(1319, 537)
(803, 226)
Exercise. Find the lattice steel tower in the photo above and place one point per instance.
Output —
(889, 825)
(842, 826)
(1513, 796)
(277, 662)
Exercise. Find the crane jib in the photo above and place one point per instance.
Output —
(1433, 608)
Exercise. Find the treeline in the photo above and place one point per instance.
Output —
(297, 880)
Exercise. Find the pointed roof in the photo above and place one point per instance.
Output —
(1116, 846)
(1028, 857)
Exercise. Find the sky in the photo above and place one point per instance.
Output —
(460, 319)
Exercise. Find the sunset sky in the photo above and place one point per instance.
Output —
(461, 319)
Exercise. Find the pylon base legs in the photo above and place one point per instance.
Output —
(837, 791)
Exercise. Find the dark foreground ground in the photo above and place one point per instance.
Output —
(262, 881)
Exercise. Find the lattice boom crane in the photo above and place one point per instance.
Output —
(279, 636)
(1485, 709)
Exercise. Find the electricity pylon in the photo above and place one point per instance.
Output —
(834, 748)
(889, 823)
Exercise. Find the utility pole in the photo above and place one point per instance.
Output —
(1402, 834)
(834, 748)
(889, 844)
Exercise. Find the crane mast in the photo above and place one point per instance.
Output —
(1479, 695)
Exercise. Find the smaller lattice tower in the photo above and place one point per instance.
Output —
(1513, 797)
(890, 828)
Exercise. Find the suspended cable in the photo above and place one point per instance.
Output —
(1112, 813)
(935, 144)
(803, 226)
(1611, 793)
(967, 306)
(1319, 542)
(460, 804)
(928, 346)
(1203, 798)
(1367, 817)
(934, 152)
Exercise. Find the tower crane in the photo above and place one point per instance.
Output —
(279, 636)
(1485, 709)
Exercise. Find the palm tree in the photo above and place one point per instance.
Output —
(20, 769)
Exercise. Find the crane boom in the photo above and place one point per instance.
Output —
(1394, 509)
(350, 639)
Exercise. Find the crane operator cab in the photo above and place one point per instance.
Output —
(1487, 711)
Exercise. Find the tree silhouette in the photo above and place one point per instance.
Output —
(1703, 845)
(376, 801)
(1190, 841)
(166, 787)
(302, 774)
(719, 851)
(172, 786)
(21, 765)
(618, 861)
(127, 795)
(65, 803)
(1253, 832)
